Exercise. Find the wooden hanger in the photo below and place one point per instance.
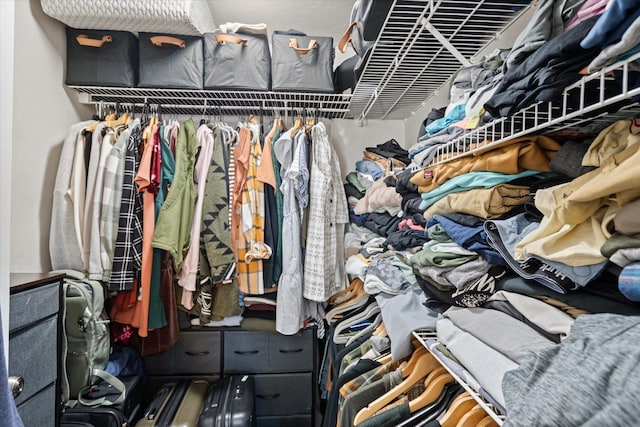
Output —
(384, 359)
(487, 422)
(434, 384)
(297, 125)
(460, 406)
(352, 286)
(381, 331)
(472, 417)
(424, 364)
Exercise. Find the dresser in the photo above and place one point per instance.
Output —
(35, 325)
(284, 368)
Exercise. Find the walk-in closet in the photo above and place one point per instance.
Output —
(320, 213)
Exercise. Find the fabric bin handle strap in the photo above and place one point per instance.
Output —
(346, 37)
(293, 43)
(160, 40)
(85, 40)
(224, 38)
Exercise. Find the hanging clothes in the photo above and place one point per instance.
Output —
(324, 273)
(64, 246)
(289, 307)
(188, 274)
(176, 216)
(249, 215)
(127, 254)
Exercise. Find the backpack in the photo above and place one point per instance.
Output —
(85, 340)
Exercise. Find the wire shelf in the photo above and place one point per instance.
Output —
(185, 101)
(422, 335)
(589, 100)
(421, 45)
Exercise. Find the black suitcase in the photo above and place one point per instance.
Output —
(230, 402)
(177, 403)
(125, 413)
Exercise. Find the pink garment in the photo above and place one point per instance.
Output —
(189, 269)
(408, 223)
(587, 10)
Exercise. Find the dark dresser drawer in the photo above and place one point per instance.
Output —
(246, 351)
(40, 410)
(292, 353)
(33, 356)
(267, 352)
(196, 352)
(283, 394)
(33, 304)
(285, 421)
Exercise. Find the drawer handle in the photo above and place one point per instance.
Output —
(295, 350)
(268, 396)
(16, 385)
(196, 353)
(246, 353)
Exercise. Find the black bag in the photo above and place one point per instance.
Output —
(348, 73)
(101, 58)
(237, 61)
(230, 402)
(178, 402)
(302, 63)
(130, 410)
(365, 23)
(102, 416)
(171, 61)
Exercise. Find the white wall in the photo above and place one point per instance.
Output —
(350, 140)
(42, 113)
(6, 134)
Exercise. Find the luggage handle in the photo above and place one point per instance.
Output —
(346, 37)
(293, 43)
(268, 396)
(246, 353)
(160, 40)
(295, 350)
(224, 38)
(85, 40)
(197, 353)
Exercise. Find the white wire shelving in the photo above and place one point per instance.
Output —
(215, 102)
(588, 101)
(422, 335)
(422, 44)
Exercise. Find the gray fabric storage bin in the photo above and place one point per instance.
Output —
(171, 61)
(101, 58)
(237, 61)
(302, 63)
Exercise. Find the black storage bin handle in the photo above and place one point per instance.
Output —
(293, 43)
(85, 40)
(160, 40)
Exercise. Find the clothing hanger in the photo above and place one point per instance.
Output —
(434, 384)
(424, 363)
(345, 324)
(381, 331)
(460, 406)
(472, 417)
(374, 324)
(487, 422)
(297, 124)
(334, 299)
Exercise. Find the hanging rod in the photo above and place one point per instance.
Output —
(176, 101)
